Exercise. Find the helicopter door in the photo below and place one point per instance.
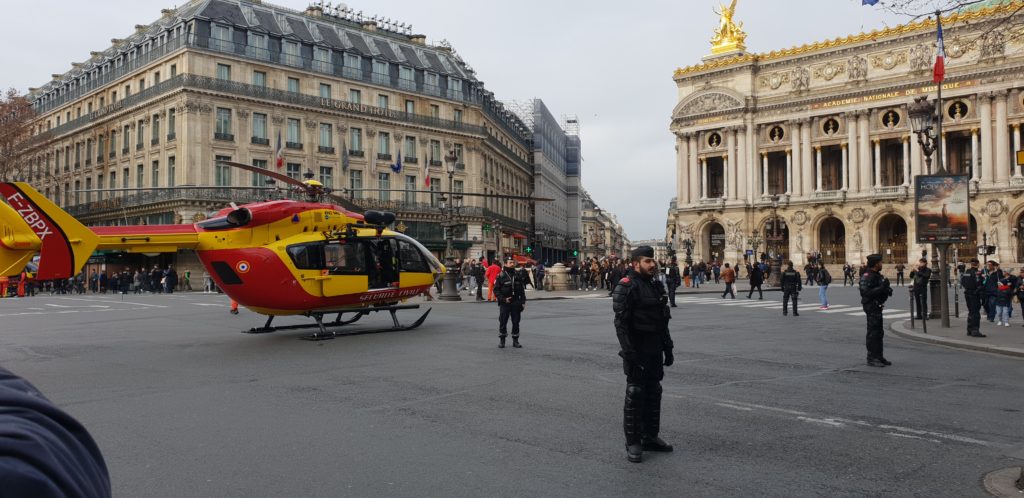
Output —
(345, 266)
(415, 268)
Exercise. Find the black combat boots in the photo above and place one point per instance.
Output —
(501, 341)
(515, 342)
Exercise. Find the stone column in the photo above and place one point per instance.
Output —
(1016, 147)
(693, 168)
(742, 184)
(789, 171)
(906, 161)
(683, 178)
(975, 173)
(945, 154)
(864, 151)
(725, 176)
(845, 182)
(806, 159)
(854, 157)
(764, 174)
(703, 178)
(817, 150)
(985, 116)
(794, 157)
(878, 163)
(1002, 140)
(730, 143)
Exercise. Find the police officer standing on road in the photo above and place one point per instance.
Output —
(874, 291)
(510, 291)
(973, 283)
(641, 324)
(673, 281)
(791, 287)
(921, 275)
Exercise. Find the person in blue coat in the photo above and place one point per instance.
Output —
(44, 452)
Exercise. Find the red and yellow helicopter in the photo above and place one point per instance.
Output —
(278, 257)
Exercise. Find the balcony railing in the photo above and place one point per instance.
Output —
(838, 195)
(715, 202)
(1017, 181)
(408, 85)
(171, 136)
(435, 162)
(380, 79)
(325, 150)
(228, 137)
(352, 73)
(260, 141)
(270, 95)
(257, 53)
(383, 157)
(293, 145)
(323, 67)
(155, 141)
(356, 153)
(410, 160)
(153, 197)
(138, 146)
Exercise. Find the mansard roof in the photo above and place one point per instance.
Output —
(335, 33)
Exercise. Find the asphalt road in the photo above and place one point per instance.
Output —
(757, 404)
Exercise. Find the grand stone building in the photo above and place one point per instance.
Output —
(821, 132)
(232, 79)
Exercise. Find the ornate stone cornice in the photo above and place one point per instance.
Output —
(924, 25)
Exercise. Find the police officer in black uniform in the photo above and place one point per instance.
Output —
(673, 280)
(641, 324)
(973, 283)
(921, 275)
(510, 291)
(791, 287)
(874, 291)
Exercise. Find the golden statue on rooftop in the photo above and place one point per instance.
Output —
(729, 36)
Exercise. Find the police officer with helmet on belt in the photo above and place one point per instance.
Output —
(973, 283)
(641, 324)
(510, 291)
(874, 291)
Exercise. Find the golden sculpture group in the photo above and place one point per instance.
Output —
(729, 36)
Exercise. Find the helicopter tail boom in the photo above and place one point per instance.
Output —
(64, 243)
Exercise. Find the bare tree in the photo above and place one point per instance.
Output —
(15, 117)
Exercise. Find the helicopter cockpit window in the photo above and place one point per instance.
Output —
(411, 258)
(345, 259)
(307, 256)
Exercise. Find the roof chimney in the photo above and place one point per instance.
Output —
(314, 11)
(140, 28)
(370, 25)
(418, 39)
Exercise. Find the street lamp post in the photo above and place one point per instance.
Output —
(755, 242)
(775, 263)
(926, 120)
(449, 210)
(688, 244)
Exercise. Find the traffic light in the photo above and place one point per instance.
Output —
(575, 253)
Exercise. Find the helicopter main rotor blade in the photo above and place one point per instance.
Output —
(179, 187)
(266, 172)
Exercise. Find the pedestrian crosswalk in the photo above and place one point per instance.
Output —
(743, 302)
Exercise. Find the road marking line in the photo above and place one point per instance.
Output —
(734, 407)
(913, 437)
(112, 302)
(823, 421)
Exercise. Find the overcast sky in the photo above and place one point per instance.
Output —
(609, 63)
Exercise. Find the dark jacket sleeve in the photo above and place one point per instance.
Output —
(44, 452)
(621, 305)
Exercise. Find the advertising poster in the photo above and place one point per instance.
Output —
(942, 208)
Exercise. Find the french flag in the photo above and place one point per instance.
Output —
(426, 173)
(279, 153)
(939, 73)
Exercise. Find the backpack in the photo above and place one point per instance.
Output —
(826, 277)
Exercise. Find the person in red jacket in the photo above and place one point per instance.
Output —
(492, 273)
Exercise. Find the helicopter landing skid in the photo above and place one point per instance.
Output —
(324, 333)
